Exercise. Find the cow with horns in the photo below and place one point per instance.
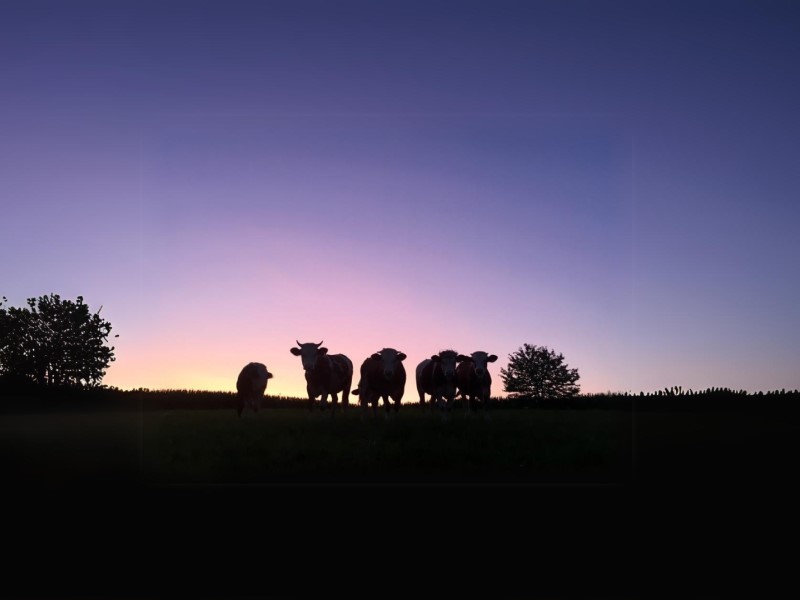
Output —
(250, 386)
(326, 374)
(436, 376)
(382, 376)
(473, 379)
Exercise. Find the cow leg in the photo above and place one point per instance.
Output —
(372, 402)
(364, 404)
(440, 403)
(467, 404)
(348, 385)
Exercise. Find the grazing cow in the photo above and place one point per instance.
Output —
(436, 376)
(326, 374)
(250, 386)
(473, 379)
(382, 376)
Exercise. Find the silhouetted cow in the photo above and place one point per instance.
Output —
(473, 379)
(250, 386)
(382, 376)
(436, 376)
(326, 374)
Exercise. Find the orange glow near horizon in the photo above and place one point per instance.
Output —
(208, 374)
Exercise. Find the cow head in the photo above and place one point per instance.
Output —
(479, 361)
(309, 352)
(389, 359)
(447, 360)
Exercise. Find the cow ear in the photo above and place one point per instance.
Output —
(461, 358)
(322, 351)
(376, 356)
(401, 357)
(269, 375)
(491, 358)
(435, 358)
(295, 351)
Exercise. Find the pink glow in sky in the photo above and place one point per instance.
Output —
(225, 179)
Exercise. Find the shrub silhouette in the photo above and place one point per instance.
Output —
(538, 372)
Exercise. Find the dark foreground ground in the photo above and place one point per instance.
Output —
(116, 503)
(290, 447)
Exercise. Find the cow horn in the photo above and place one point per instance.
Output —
(320, 344)
(299, 344)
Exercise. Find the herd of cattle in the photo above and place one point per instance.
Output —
(443, 376)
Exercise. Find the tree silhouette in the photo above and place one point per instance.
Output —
(54, 342)
(538, 372)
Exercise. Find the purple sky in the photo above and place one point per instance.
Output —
(614, 180)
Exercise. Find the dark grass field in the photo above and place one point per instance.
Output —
(295, 447)
(292, 447)
(411, 447)
(125, 500)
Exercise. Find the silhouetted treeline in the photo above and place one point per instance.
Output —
(668, 399)
(22, 395)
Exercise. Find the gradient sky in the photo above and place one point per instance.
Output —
(617, 181)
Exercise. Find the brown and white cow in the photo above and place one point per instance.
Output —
(474, 380)
(436, 376)
(382, 376)
(326, 374)
(250, 386)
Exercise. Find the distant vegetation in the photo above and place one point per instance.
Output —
(31, 397)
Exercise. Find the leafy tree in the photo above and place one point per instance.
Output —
(54, 342)
(538, 372)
